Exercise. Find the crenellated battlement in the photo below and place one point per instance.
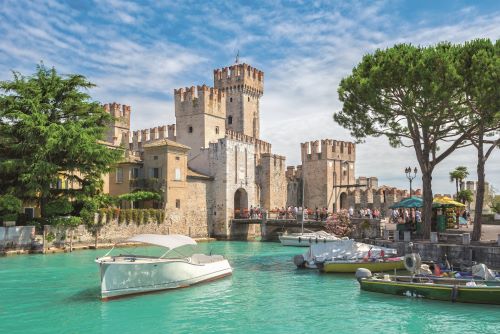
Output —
(261, 146)
(143, 136)
(328, 149)
(120, 112)
(199, 100)
(119, 131)
(240, 77)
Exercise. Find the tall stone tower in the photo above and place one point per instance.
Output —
(327, 168)
(118, 132)
(200, 117)
(243, 85)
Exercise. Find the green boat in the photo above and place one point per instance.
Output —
(454, 290)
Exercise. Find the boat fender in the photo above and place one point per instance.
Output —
(454, 293)
(412, 262)
(299, 261)
(363, 273)
(316, 240)
(300, 240)
(324, 240)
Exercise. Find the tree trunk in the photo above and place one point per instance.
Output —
(456, 184)
(478, 210)
(427, 208)
(43, 205)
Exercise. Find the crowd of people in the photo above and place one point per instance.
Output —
(316, 214)
(365, 213)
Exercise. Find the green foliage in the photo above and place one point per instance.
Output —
(59, 207)
(460, 173)
(135, 216)
(9, 207)
(421, 97)
(140, 196)
(70, 221)
(465, 196)
(50, 237)
(128, 216)
(121, 217)
(160, 216)
(458, 176)
(496, 204)
(146, 216)
(50, 130)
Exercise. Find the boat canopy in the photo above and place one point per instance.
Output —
(170, 241)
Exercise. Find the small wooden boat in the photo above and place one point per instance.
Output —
(350, 266)
(447, 289)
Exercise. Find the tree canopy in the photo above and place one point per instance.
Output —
(50, 131)
(479, 66)
(458, 175)
(413, 96)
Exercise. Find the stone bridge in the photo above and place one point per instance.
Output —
(268, 229)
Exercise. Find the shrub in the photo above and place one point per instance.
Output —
(146, 216)
(128, 216)
(59, 207)
(9, 207)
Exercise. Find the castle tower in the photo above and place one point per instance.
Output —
(327, 169)
(118, 132)
(200, 117)
(243, 85)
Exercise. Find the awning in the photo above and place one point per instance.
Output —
(168, 241)
(411, 202)
(447, 202)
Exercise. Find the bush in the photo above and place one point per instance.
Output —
(146, 216)
(59, 207)
(128, 216)
(9, 207)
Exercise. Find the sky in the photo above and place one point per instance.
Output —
(138, 52)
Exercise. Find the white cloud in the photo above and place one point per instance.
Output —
(138, 52)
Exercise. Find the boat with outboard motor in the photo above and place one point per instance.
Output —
(346, 253)
(436, 288)
(305, 239)
(134, 274)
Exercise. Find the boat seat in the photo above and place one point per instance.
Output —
(202, 258)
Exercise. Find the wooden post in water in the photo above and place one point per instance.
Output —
(71, 240)
(44, 239)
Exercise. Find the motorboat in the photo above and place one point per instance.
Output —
(348, 255)
(445, 289)
(129, 274)
(305, 239)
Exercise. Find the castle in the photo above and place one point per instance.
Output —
(211, 164)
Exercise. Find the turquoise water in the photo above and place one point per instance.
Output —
(59, 293)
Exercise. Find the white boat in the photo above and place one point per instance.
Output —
(306, 239)
(134, 274)
(341, 250)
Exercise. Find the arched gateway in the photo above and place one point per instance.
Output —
(240, 203)
(343, 201)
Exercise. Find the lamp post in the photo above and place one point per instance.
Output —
(409, 175)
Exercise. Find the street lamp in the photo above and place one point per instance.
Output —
(409, 176)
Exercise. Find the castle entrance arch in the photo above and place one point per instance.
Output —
(343, 201)
(240, 203)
